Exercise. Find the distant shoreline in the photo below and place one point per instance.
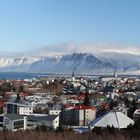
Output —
(27, 75)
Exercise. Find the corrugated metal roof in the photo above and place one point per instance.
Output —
(13, 116)
(113, 118)
(41, 118)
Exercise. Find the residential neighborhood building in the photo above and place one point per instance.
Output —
(19, 108)
(54, 112)
(136, 115)
(51, 121)
(14, 122)
(79, 115)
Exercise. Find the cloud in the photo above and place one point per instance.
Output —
(67, 48)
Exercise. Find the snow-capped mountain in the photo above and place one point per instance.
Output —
(88, 63)
(16, 64)
(82, 63)
(76, 62)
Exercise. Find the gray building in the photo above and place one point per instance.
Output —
(14, 122)
(51, 121)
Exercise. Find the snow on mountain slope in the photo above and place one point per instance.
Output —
(121, 61)
(84, 63)
(14, 64)
(4, 62)
(77, 62)
(88, 63)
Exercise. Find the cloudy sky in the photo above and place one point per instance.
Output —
(63, 26)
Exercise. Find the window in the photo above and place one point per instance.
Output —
(7, 121)
(30, 125)
(1, 125)
(1, 118)
(18, 124)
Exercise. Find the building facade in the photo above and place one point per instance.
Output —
(79, 115)
(20, 109)
(14, 122)
(51, 121)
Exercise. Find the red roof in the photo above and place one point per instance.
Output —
(83, 107)
(2, 104)
(80, 107)
(18, 82)
(23, 94)
(81, 97)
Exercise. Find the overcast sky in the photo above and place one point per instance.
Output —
(33, 24)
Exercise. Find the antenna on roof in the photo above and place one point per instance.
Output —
(115, 73)
(73, 76)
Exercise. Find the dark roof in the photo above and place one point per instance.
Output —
(41, 118)
(13, 116)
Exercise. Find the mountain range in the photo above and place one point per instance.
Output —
(81, 63)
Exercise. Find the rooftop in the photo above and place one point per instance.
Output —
(19, 104)
(41, 118)
(80, 107)
(14, 116)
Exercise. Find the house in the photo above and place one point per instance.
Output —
(54, 111)
(122, 108)
(35, 120)
(114, 118)
(79, 115)
(14, 122)
(19, 108)
(136, 115)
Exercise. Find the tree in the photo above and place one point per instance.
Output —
(18, 98)
(112, 104)
(127, 103)
(86, 100)
(133, 107)
(1, 110)
(21, 88)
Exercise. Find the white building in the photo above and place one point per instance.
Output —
(24, 110)
(18, 108)
(51, 121)
(54, 112)
(14, 122)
